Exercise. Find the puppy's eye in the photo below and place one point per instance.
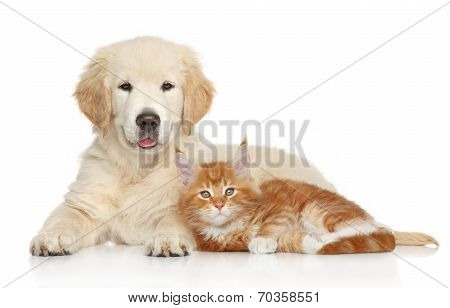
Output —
(166, 86)
(205, 194)
(229, 192)
(126, 86)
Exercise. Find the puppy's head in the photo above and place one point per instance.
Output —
(142, 90)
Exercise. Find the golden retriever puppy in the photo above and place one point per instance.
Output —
(139, 94)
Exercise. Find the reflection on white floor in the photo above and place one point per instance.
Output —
(124, 266)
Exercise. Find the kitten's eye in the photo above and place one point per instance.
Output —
(229, 192)
(205, 194)
(126, 86)
(166, 86)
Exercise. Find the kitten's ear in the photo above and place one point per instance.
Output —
(185, 169)
(241, 163)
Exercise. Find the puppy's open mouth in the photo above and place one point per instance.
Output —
(146, 143)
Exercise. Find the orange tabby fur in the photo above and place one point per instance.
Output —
(277, 216)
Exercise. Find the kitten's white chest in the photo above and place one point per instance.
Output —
(219, 233)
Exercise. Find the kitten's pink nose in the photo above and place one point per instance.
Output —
(218, 205)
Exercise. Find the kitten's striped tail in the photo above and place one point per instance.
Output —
(414, 239)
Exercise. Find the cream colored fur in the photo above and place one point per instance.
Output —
(113, 197)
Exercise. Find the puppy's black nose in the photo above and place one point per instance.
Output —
(148, 121)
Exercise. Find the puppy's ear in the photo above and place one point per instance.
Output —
(185, 168)
(241, 163)
(94, 98)
(198, 92)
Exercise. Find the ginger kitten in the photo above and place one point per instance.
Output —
(227, 212)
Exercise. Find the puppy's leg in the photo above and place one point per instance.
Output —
(171, 238)
(65, 231)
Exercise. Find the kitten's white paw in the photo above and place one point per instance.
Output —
(311, 244)
(261, 245)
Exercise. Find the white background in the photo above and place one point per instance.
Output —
(379, 130)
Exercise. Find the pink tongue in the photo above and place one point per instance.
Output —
(146, 143)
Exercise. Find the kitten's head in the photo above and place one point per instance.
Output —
(216, 193)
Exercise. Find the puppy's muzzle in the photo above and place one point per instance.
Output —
(148, 125)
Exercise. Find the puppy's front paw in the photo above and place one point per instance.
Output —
(168, 245)
(261, 245)
(51, 243)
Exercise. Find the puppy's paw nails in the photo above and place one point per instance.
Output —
(168, 245)
(260, 245)
(51, 243)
